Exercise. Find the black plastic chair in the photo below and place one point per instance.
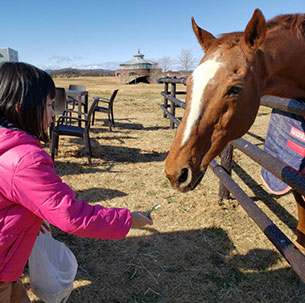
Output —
(72, 101)
(106, 109)
(65, 128)
(77, 87)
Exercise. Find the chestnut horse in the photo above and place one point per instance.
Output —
(224, 91)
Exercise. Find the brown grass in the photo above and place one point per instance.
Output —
(197, 250)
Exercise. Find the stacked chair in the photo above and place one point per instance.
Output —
(71, 102)
(107, 108)
(68, 124)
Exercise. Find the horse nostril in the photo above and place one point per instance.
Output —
(183, 176)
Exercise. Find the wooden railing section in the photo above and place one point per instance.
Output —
(228, 186)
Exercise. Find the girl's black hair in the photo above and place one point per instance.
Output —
(23, 93)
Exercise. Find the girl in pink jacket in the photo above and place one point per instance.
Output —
(30, 189)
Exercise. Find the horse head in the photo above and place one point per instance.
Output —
(222, 100)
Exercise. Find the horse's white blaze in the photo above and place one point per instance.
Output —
(202, 75)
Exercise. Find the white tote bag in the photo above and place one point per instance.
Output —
(52, 267)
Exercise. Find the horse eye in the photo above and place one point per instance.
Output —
(234, 90)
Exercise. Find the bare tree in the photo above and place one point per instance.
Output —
(186, 59)
(155, 74)
(165, 63)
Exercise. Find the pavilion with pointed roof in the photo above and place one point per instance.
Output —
(138, 70)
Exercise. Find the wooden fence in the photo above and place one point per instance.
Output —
(227, 185)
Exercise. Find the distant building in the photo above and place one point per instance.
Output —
(138, 70)
(8, 54)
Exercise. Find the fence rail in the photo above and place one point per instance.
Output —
(171, 96)
(227, 185)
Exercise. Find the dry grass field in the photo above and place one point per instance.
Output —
(198, 250)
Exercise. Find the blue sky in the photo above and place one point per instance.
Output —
(100, 33)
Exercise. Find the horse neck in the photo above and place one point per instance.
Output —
(282, 65)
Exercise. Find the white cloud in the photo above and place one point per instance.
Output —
(62, 59)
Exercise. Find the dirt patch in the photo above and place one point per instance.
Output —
(197, 250)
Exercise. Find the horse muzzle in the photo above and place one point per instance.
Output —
(187, 179)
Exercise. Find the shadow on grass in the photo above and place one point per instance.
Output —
(117, 124)
(156, 127)
(127, 154)
(65, 168)
(261, 139)
(267, 198)
(98, 194)
(111, 153)
(185, 266)
(115, 135)
(123, 126)
(263, 114)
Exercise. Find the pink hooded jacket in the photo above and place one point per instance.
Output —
(30, 190)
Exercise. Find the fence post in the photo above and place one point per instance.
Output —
(173, 106)
(226, 162)
(165, 98)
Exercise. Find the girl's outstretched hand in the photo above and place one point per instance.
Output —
(140, 218)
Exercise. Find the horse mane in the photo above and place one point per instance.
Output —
(292, 22)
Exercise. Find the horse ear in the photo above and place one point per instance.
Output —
(255, 31)
(204, 38)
